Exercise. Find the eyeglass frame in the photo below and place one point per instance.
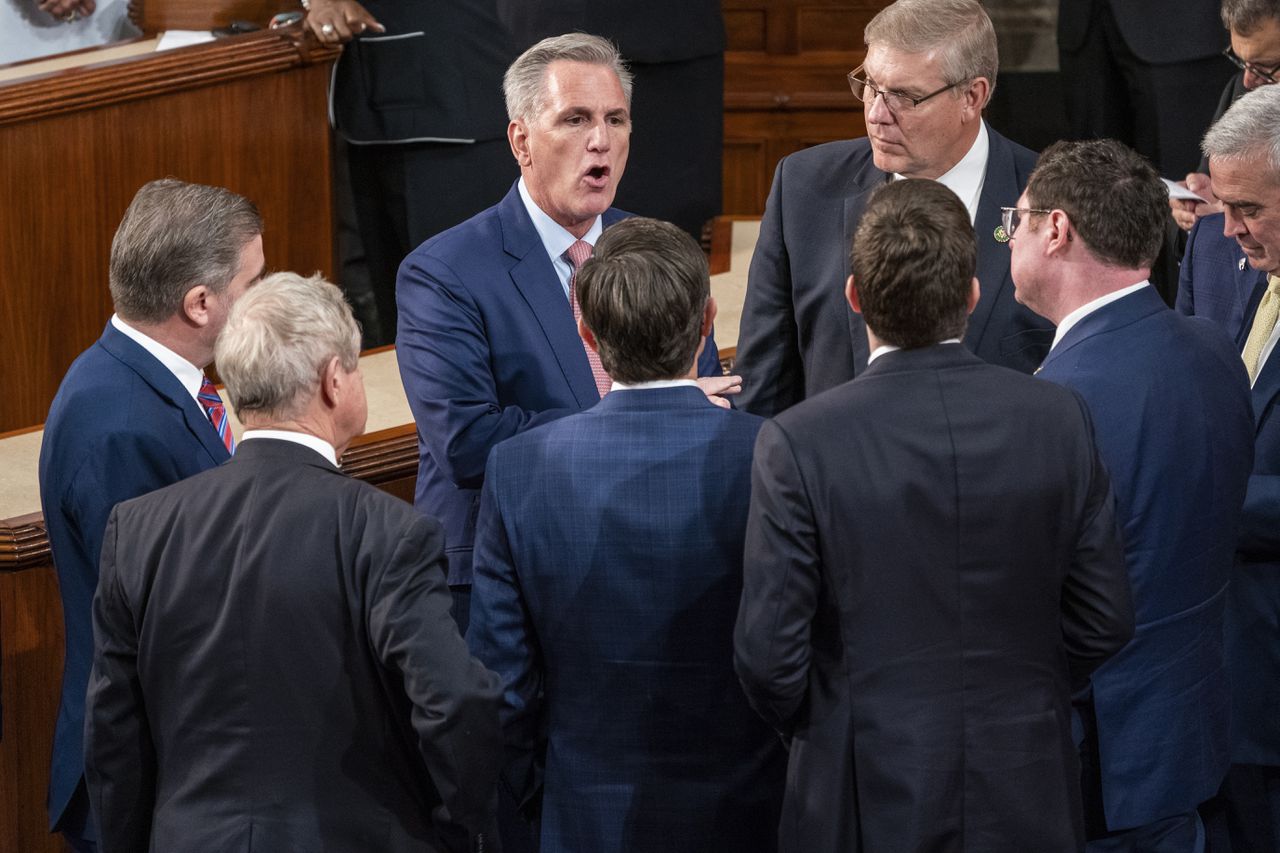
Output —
(857, 83)
(1268, 74)
(1006, 218)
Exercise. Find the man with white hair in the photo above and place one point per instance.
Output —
(1231, 274)
(488, 339)
(275, 667)
(930, 69)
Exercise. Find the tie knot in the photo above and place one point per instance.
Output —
(578, 253)
(1273, 284)
(208, 393)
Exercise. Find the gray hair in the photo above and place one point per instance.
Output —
(278, 339)
(173, 237)
(1246, 16)
(1249, 128)
(524, 83)
(961, 29)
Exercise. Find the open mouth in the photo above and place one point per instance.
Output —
(597, 176)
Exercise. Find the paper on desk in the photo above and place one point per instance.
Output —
(183, 38)
(1180, 192)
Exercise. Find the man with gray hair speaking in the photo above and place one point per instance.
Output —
(275, 666)
(1231, 274)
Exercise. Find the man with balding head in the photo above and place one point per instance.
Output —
(488, 343)
(275, 666)
(135, 412)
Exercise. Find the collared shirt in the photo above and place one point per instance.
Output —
(319, 445)
(1266, 352)
(967, 177)
(190, 376)
(887, 348)
(656, 383)
(555, 239)
(1089, 307)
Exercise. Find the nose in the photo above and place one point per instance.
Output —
(877, 112)
(599, 138)
(1253, 80)
(1232, 224)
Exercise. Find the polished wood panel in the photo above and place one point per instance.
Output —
(152, 16)
(785, 86)
(248, 113)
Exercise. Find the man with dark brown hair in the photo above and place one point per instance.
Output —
(931, 561)
(608, 568)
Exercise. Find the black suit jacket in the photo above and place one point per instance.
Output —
(1157, 31)
(798, 336)
(276, 669)
(655, 31)
(931, 551)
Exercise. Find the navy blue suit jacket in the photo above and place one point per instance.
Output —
(608, 572)
(1218, 287)
(120, 426)
(799, 337)
(488, 348)
(1170, 403)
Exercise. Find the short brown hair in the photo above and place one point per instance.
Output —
(914, 256)
(1115, 200)
(642, 293)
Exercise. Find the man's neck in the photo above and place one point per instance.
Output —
(1089, 283)
(177, 336)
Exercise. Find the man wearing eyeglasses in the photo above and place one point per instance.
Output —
(929, 71)
(1170, 405)
(1255, 50)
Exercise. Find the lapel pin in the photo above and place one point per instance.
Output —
(1241, 265)
(1000, 234)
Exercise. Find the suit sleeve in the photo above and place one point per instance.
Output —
(1186, 301)
(782, 576)
(768, 354)
(1097, 610)
(501, 634)
(120, 758)
(442, 347)
(1260, 519)
(454, 698)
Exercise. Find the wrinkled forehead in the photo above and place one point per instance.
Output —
(903, 71)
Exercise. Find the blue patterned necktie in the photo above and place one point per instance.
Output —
(217, 412)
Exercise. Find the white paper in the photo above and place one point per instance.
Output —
(183, 38)
(1180, 192)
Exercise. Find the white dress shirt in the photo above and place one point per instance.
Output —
(184, 371)
(319, 445)
(1089, 307)
(886, 348)
(656, 383)
(555, 239)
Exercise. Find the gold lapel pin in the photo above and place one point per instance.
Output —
(1001, 235)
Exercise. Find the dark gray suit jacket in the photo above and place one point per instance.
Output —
(276, 669)
(798, 336)
(931, 552)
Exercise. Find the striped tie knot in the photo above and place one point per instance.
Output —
(217, 413)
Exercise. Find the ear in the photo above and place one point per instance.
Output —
(975, 97)
(518, 136)
(331, 386)
(196, 304)
(851, 294)
(1059, 232)
(975, 293)
(709, 316)
(587, 337)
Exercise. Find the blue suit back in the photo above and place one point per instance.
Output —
(608, 574)
(120, 426)
(1170, 404)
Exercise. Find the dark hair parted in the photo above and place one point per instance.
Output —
(173, 237)
(1116, 202)
(643, 292)
(913, 260)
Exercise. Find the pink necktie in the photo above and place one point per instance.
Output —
(577, 254)
(212, 405)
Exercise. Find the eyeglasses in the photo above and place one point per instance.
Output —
(1011, 218)
(896, 102)
(1266, 73)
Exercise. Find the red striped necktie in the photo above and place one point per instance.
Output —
(577, 254)
(212, 405)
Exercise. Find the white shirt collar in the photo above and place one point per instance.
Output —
(184, 371)
(555, 238)
(319, 445)
(888, 348)
(967, 177)
(656, 383)
(1089, 307)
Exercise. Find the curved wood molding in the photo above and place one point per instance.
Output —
(134, 78)
(380, 458)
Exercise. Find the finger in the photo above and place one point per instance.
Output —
(87, 7)
(364, 21)
(343, 31)
(1185, 219)
(720, 401)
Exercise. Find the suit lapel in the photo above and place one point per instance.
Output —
(862, 185)
(536, 280)
(167, 386)
(1113, 315)
(1250, 285)
(999, 189)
